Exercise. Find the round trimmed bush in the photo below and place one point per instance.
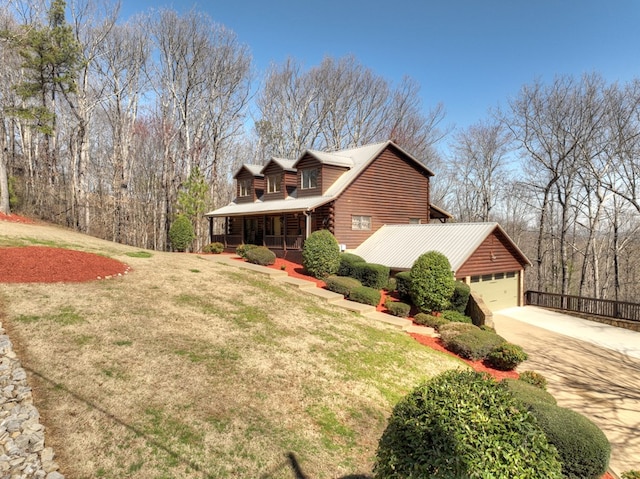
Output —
(583, 448)
(342, 284)
(241, 250)
(506, 356)
(397, 308)
(371, 274)
(535, 379)
(527, 393)
(365, 295)
(435, 322)
(449, 330)
(347, 260)
(463, 424)
(460, 296)
(321, 254)
(260, 255)
(403, 284)
(475, 344)
(431, 282)
(455, 316)
(181, 233)
(215, 248)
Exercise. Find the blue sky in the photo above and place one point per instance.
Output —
(468, 54)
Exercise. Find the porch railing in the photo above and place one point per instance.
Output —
(598, 307)
(270, 241)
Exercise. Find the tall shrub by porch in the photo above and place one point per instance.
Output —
(432, 282)
(321, 254)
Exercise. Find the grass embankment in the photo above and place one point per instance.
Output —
(189, 368)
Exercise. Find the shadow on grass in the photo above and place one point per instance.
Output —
(290, 462)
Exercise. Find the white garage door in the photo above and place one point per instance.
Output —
(498, 291)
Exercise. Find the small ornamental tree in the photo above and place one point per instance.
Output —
(321, 254)
(181, 233)
(432, 282)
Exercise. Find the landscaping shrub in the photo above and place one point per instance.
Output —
(181, 233)
(463, 424)
(342, 284)
(460, 296)
(449, 330)
(431, 282)
(215, 248)
(583, 448)
(260, 255)
(403, 284)
(391, 285)
(631, 474)
(365, 295)
(435, 322)
(528, 393)
(370, 274)
(506, 356)
(475, 344)
(347, 260)
(397, 308)
(321, 254)
(242, 249)
(535, 379)
(455, 316)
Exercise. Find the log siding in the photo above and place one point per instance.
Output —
(391, 191)
(495, 255)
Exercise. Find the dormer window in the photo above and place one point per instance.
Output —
(309, 178)
(274, 183)
(245, 187)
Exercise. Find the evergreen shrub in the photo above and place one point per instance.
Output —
(215, 248)
(429, 320)
(463, 424)
(365, 295)
(460, 296)
(583, 448)
(403, 284)
(527, 393)
(397, 308)
(455, 316)
(347, 260)
(370, 274)
(241, 250)
(181, 233)
(450, 330)
(535, 379)
(506, 356)
(475, 344)
(260, 255)
(342, 284)
(432, 282)
(321, 254)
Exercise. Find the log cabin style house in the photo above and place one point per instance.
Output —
(350, 192)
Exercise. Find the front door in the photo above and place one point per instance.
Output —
(250, 230)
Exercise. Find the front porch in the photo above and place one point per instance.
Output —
(274, 242)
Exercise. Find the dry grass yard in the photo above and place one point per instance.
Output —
(189, 368)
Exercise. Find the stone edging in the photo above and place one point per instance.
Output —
(22, 450)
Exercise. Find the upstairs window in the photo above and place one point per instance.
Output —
(309, 178)
(274, 183)
(245, 187)
(359, 222)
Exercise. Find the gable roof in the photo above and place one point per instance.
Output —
(253, 169)
(286, 165)
(357, 159)
(398, 246)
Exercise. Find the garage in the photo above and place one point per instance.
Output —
(480, 254)
(498, 291)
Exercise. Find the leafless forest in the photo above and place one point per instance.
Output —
(113, 127)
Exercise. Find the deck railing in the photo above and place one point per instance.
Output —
(598, 307)
(270, 241)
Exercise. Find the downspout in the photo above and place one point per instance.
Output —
(307, 224)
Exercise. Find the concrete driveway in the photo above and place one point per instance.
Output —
(590, 367)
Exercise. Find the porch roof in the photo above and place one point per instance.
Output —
(270, 207)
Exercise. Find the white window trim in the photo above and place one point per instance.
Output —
(274, 186)
(245, 188)
(361, 222)
(306, 172)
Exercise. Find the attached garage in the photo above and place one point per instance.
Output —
(498, 290)
(481, 254)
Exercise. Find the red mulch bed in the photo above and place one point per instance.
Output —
(15, 218)
(42, 264)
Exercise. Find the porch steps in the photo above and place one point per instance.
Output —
(363, 309)
(400, 323)
(423, 330)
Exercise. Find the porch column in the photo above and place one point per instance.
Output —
(284, 232)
